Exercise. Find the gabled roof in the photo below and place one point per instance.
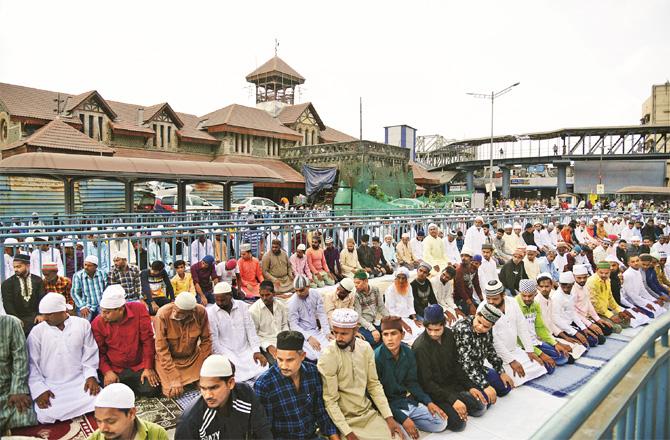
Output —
(155, 110)
(75, 101)
(32, 103)
(190, 130)
(240, 116)
(330, 135)
(275, 66)
(57, 135)
(288, 174)
(289, 114)
(423, 176)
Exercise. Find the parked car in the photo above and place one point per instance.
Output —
(168, 203)
(254, 204)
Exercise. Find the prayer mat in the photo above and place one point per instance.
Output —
(566, 379)
(187, 399)
(608, 350)
(79, 428)
(159, 410)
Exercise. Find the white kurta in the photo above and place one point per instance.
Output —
(546, 304)
(9, 265)
(116, 246)
(451, 251)
(510, 327)
(39, 257)
(487, 271)
(403, 306)
(269, 324)
(201, 250)
(633, 292)
(563, 312)
(417, 248)
(234, 335)
(61, 361)
(444, 294)
(532, 268)
(474, 239)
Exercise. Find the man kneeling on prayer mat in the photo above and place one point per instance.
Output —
(397, 370)
(234, 334)
(304, 308)
(522, 364)
(292, 394)
(183, 342)
(225, 409)
(603, 301)
(63, 362)
(550, 351)
(351, 384)
(116, 415)
(126, 343)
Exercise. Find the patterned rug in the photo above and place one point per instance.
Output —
(565, 379)
(78, 428)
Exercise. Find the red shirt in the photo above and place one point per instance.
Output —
(126, 344)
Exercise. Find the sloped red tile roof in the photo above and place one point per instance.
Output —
(331, 135)
(290, 114)
(423, 176)
(57, 135)
(278, 66)
(288, 174)
(246, 117)
(32, 103)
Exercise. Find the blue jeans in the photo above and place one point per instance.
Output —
(493, 378)
(367, 334)
(423, 419)
(552, 353)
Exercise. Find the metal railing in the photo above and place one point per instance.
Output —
(628, 398)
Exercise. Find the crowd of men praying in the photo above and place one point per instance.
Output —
(341, 333)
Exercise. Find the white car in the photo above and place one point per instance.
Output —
(254, 204)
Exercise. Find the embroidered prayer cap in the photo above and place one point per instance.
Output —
(392, 323)
(490, 313)
(361, 275)
(479, 218)
(433, 314)
(494, 288)
(347, 284)
(344, 318)
(402, 271)
(404, 235)
(603, 265)
(49, 266)
(531, 247)
(22, 258)
(579, 269)
(527, 286)
(91, 259)
(230, 264)
(290, 340)
(53, 302)
(185, 302)
(300, 282)
(216, 365)
(301, 247)
(329, 240)
(507, 226)
(487, 246)
(222, 287)
(115, 395)
(425, 266)
(245, 247)
(432, 226)
(113, 297)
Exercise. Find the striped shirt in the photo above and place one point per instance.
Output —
(86, 290)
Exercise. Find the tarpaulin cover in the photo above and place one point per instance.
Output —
(318, 178)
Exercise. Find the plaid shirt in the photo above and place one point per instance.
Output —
(129, 279)
(293, 414)
(87, 291)
(61, 285)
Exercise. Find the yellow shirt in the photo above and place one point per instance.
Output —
(182, 284)
(601, 296)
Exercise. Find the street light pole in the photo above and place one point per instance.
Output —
(492, 97)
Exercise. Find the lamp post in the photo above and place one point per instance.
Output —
(492, 96)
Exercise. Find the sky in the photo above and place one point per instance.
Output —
(580, 63)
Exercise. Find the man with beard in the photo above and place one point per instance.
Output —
(63, 363)
(634, 293)
(474, 236)
(499, 246)
(351, 384)
(600, 291)
(399, 302)
(127, 276)
(316, 260)
(519, 362)
(343, 297)
(251, 274)
(531, 265)
(349, 259)
(292, 394)
(22, 292)
(56, 283)
(564, 260)
(443, 287)
(548, 265)
(512, 272)
(593, 326)
(270, 317)
(125, 341)
(433, 249)
(404, 253)
(366, 258)
(450, 247)
(416, 244)
(234, 334)
(442, 376)
(45, 253)
(304, 308)
(225, 409)
(277, 268)
(422, 290)
(397, 370)
(467, 291)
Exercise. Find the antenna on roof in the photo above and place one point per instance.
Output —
(58, 102)
(276, 46)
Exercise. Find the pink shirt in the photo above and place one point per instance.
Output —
(316, 260)
(300, 266)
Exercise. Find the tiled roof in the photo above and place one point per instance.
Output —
(331, 135)
(245, 117)
(57, 135)
(289, 114)
(422, 175)
(275, 65)
(288, 174)
(152, 111)
(32, 103)
(74, 101)
(190, 129)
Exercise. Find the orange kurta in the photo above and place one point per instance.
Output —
(251, 276)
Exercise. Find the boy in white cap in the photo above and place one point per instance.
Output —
(183, 341)
(304, 308)
(225, 409)
(116, 416)
(87, 287)
(351, 384)
(234, 334)
(125, 339)
(63, 363)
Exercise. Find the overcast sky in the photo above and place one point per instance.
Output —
(580, 63)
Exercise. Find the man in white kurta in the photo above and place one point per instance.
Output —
(400, 302)
(416, 244)
(200, 248)
(530, 263)
(509, 329)
(63, 363)
(433, 249)
(270, 317)
(474, 237)
(512, 240)
(234, 334)
(443, 288)
(488, 269)
(633, 292)
(451, 249)
(304, 308)
(45, 253)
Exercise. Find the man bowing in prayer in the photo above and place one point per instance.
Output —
(351, 384)
(234, 334)
(292, 394)
(183, 342)
(63, 363)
